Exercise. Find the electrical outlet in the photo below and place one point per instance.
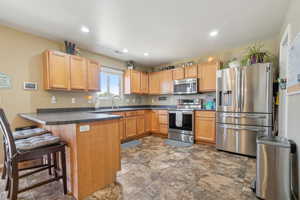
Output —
(73, 100)
(133, 100)
(53, 99)
(84, 128)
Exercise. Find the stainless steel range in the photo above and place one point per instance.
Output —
(181, 120)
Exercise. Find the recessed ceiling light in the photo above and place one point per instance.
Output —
(85, 29)
(125, 50)
(214, 33)
(146, 54)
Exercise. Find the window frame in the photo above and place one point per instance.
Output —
(111, 71)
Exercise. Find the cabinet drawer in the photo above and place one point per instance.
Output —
(209, 114)
(162, 112)
(131, 113)
(140, 112)
(118, 113)
(163, 119)
(163, 129)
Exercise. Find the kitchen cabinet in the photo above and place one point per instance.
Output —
(159, 122)
(191, 71)
(147, 121)
(154, 83)
(155, 122)
(132, 82)
(178, 73)
(166, 82)
(68, 72)
(144, 83)
(78, 73)
(93, 155)
(140, 121)
(205, 124)
(130, 127)
(93, 74)
(56, 70)
(207, 76)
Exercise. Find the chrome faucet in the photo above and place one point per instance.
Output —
(113, 102)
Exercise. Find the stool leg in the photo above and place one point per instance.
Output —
(64, 171)
(14, 187)
(55, 164)
(49, 163)
(4, 171)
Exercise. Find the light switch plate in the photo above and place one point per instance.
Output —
(73, 100)
(84, 128)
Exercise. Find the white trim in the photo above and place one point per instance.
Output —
(285, 41)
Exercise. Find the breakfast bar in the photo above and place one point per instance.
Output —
(93, 152)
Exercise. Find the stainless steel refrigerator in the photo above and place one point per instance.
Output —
(244, 107)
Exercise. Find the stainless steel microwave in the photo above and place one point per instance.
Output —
(186, 86)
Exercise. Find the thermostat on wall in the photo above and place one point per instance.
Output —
(30, 86)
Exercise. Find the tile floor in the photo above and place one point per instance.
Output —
(155, 171)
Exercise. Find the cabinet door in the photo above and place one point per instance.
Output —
(144, 83)
(155, 122)
(122, 129)
(59, 70)
(78, 70)
(166, 82)
(178, 73)
(130, 125)
(207, 75)
(154, 83)
(147, 121)
(93, 73)
(140, 124)
(205, 129)
(191, 71)
(135, 81)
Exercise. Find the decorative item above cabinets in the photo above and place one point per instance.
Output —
(70, 72)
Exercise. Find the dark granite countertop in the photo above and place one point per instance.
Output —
(56, 118)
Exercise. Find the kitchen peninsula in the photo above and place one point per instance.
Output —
(93, 152)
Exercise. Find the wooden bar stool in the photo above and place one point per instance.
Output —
(32, 148)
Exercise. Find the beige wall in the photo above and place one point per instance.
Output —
(20, 58)
(293, 102)
(270, 44)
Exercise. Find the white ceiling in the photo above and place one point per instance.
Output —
(169, 30)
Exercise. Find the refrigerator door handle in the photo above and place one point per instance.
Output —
(245, 116)
(245, 128)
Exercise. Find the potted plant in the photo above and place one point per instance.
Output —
(255, 54)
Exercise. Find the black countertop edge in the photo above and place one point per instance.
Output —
(45, 122)
(78, 109)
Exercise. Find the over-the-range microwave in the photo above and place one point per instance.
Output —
(186, 86)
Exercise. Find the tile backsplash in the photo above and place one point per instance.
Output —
(172, 99)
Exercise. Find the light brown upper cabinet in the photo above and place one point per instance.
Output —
(132, 82)
(166, 82)
(69, 72)
(93, 74)
(144, 83)
(154, 83)
(56, 70)
(178, 73)
(78, 72)
(207, 76)
(191, 71)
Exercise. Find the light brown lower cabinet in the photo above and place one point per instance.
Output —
(130, 127)
(93, 155)
(205, 124)
(140, 124)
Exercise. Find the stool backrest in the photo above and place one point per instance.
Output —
(8, 136)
